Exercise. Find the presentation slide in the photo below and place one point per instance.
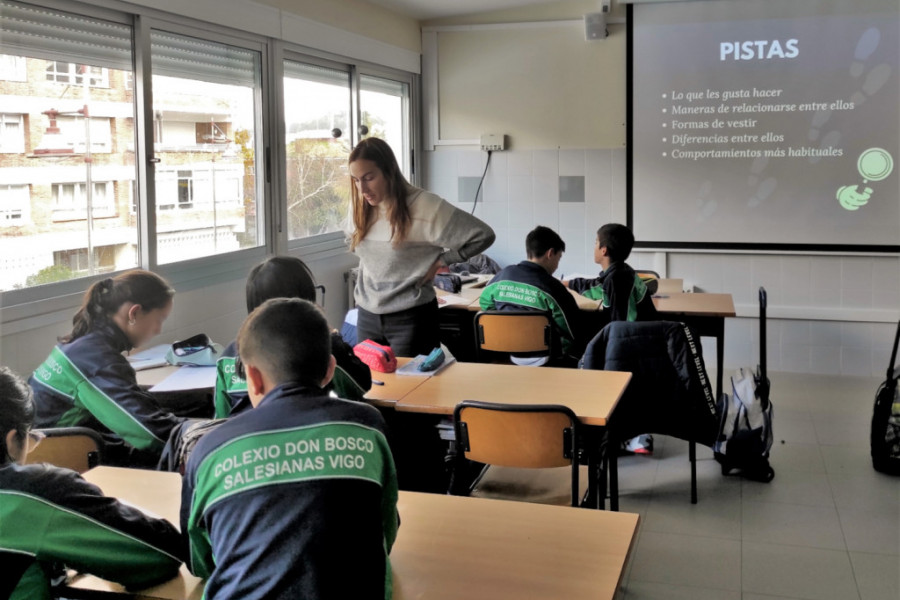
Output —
(766, 123)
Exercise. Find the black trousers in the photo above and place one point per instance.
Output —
(408, 332)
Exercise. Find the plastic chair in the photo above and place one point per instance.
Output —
(513, 332)
(76, 448)
(538, 436)
(646, 272)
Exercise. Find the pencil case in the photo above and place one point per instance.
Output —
(377, 357)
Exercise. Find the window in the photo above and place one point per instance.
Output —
(77, 260)
(71, 73)
(385, 113)
(15, 205)
(74, 133)
(73, 198)
(318, 140)
(206, 132)
(46, 179)
(12, 134)
(12, 68)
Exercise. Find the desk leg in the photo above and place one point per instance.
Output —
(595, 446)
(720, 355)
(612, 457)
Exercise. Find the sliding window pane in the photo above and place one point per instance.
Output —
(385, 113)
(317, 136)
(206, 134)
(67, 167)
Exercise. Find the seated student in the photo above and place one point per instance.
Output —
(285, 277)
(531, 285)
(297, 497)
(86, 381)
(622, 292)
(51, 518)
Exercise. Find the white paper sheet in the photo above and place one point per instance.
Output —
(187, 378)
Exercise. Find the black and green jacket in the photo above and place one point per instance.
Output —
(352, 378)
(89, 383)
(51, 518)
(296, 498)
(528, 285)
(621, 291)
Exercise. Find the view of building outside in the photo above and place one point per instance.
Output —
(66, 182)
(69, 205)
(205, 137)
(69, 193)
(317, 103)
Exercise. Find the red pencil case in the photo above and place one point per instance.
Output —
(379, 358)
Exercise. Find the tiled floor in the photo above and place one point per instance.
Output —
(827, 527)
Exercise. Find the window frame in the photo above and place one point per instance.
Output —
(322, 245)
(41, 305)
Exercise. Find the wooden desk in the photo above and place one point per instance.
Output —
(447, 547)
(395, 386)
(450, 547)
(157, 493)
(592, 396)
(670, 286)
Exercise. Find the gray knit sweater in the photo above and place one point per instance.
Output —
(392, 276)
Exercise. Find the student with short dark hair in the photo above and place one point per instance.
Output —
(621, 291)
(618, 288)
(530, 285)
(86, 381)
(285, 277)
(296, 498)
(52, 519)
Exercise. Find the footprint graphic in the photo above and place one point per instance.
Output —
(874, 80)
(706, 206)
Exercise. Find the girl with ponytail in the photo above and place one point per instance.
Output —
(87, 381)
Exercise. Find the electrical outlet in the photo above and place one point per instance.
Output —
(493, 141)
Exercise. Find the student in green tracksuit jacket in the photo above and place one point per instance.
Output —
(618, 288)
(51, 518)
(530, 285)
(86, 381)
(285, 277)
(296, 497)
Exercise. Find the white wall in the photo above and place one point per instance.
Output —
(827, 314)
(854, 300)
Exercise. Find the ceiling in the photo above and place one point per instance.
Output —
(424, 10)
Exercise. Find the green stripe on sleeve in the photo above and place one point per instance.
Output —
(55, 533)
(227, 382)
(60, 374)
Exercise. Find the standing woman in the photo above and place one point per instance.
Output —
(403, 235)
(52, 518)
(87, 381)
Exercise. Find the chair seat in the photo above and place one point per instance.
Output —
(540, 486)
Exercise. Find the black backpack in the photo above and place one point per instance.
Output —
(885, 436)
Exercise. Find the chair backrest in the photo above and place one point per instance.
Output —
(76, 448)
(647, 272)
(513, 331)
(518, 435)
